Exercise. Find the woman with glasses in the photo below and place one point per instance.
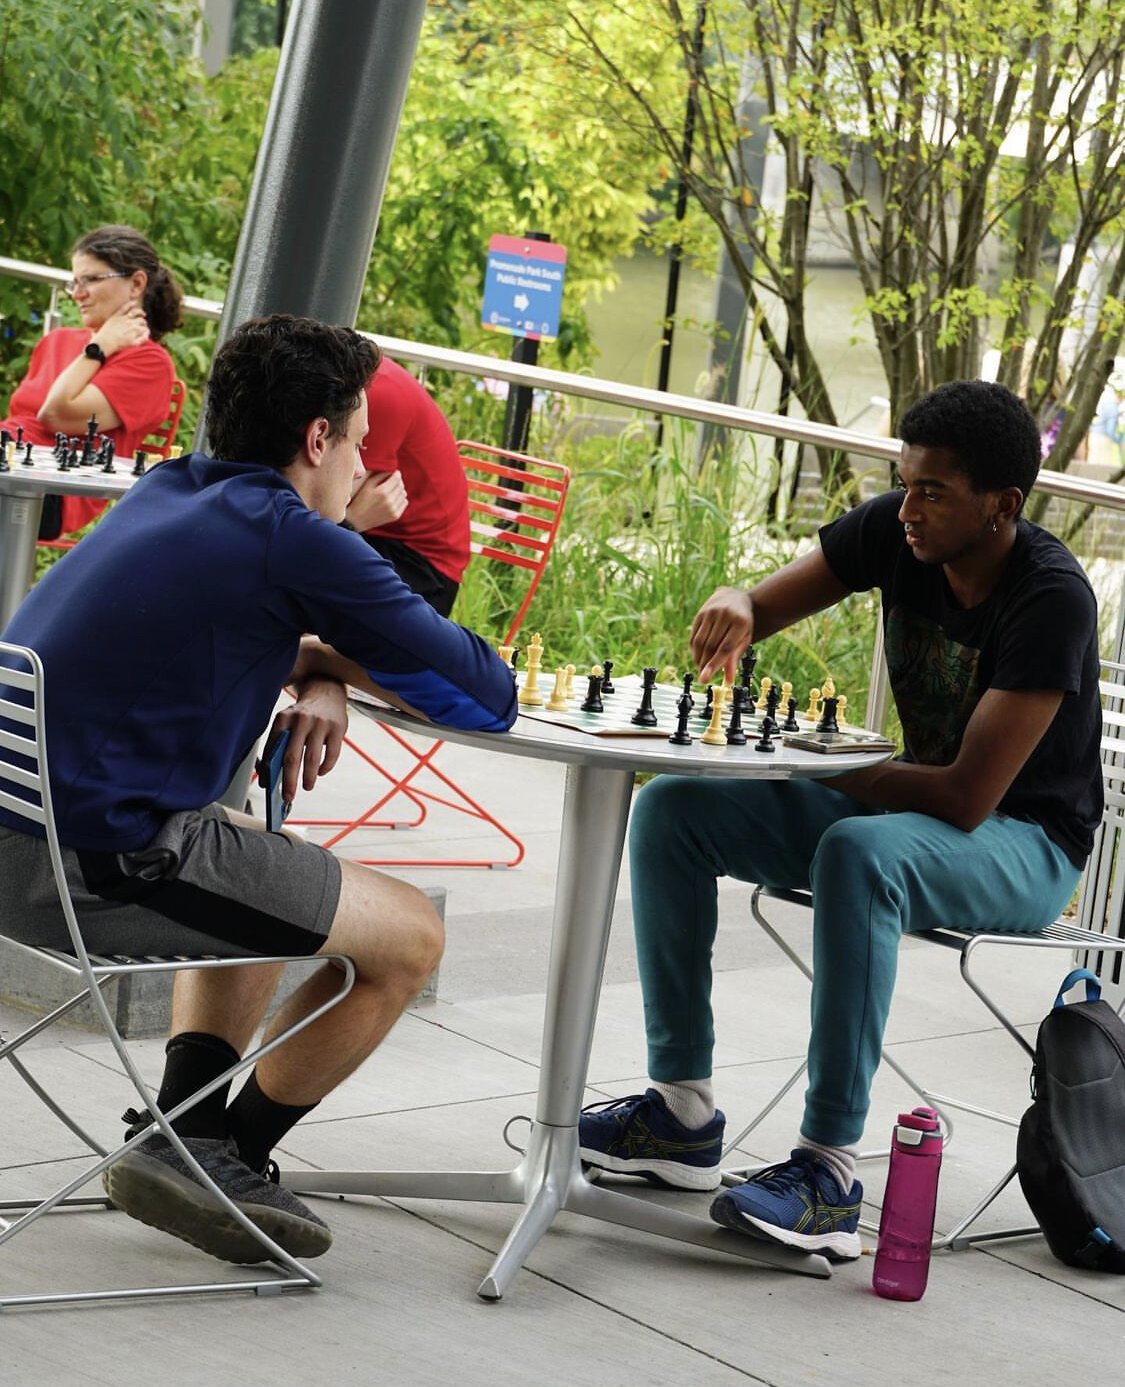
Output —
(113, 367)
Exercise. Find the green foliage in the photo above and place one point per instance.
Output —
(644, 541)
(491, 142)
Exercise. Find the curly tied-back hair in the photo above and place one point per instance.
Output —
(273, 375)
(125, 250)
(991, 432)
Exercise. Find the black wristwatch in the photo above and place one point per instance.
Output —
(95, 353)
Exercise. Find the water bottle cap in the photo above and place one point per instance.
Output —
(921, 1120)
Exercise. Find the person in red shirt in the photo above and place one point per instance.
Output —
(413, 506)
(112, 367)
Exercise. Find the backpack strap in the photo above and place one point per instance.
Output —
(1092, 981)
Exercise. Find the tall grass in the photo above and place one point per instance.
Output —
(646, 537)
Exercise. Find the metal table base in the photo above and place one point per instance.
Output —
(549, 1178)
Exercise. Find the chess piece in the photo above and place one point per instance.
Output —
(772, 699)
(828, 688)
(735, 735)
(140, 457)
(4, 447)
(688, 680)
(705, 711)
(19, 436)
(746, 670)
(570, 682)
(828, 721)
(791, 724)
(645, 716)
(27, 462)
(764, 693)
(842, 709)
(593, 700)
(813, 710)
(681, 736)
(557, 702)
(608, 685)
(108, 450)
(505, 652)
(786, 693)
(714, 734)
(530, 695)
(765, 741)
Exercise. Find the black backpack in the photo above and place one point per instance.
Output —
(1070, 1154)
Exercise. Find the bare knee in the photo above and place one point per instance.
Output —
(389, 928)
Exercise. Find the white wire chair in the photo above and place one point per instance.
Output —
(25, 791)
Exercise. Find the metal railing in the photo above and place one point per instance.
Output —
(638, 397)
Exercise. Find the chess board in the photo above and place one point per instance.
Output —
(624, 702)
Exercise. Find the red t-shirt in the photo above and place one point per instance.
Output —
(407, 431)
(137, 382)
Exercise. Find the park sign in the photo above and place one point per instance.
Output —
(523, 284)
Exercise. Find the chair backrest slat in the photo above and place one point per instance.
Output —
(22, 808)
(515, 506)
(18, 712)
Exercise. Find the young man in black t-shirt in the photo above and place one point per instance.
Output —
(985, 821)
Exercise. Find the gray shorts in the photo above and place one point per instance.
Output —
(202, 886)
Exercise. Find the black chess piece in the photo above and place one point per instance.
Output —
(688, 681)
(735, 735)
(107, 452)
(608, 686)
(27, 462)
(681, 736)
(60, 446)
(705, 711)
(140, 457)
(828, 721)
(746, 671)
(593, 700)
(5, 439)
(19, 435)
(791, 724)
(773, 698)
(645, 716)
(765, 741)
(72, 454)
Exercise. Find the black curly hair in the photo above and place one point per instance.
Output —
(991, 433)
(125, 249)
(273, 375)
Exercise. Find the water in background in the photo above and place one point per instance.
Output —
(626, 328)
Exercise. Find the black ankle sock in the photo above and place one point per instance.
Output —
(257, 1123)
(193, 1059)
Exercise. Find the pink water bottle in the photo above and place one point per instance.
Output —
(906, 1229)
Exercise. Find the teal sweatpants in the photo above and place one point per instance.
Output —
(874, 876)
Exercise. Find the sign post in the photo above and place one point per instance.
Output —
(523, 286)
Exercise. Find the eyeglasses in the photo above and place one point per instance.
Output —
(72, 286)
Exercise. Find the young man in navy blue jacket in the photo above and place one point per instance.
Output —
(167, 636)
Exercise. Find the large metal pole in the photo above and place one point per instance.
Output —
(323, 161)
(322, 166)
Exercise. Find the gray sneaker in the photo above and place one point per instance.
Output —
(152, 1184)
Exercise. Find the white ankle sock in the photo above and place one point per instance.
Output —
(690, 1101)
(840, 1160)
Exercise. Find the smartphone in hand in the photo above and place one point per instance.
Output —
(269, 776)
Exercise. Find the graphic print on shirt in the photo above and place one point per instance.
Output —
(935, 683)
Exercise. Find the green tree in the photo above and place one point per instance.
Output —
(954, 148)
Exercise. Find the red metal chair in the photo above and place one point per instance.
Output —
(515, 506)
(157, 444)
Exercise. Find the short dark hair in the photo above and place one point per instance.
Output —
(124, 249)
(273, 375)
(991, 432)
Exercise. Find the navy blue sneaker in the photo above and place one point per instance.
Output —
(798, 1202)
(639, 1136)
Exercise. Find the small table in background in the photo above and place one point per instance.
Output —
(21, 504)
(599, 786)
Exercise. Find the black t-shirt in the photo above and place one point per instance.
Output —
(1038, 629)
